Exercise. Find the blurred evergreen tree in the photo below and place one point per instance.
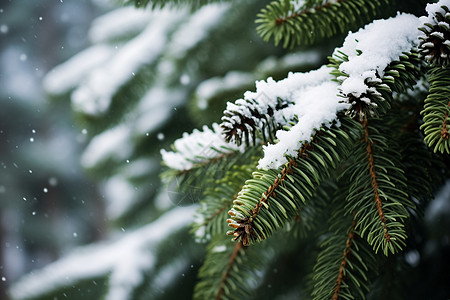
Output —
(43, 190)
(339, 217)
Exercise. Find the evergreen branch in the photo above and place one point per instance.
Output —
(273, 197)
(435, 43)
(200, 158)
(312, 217)
(319, 6)
(243, 231)
(402, 74)
(374, 181)
(344, 267)
(192, 184)
(398, 76)
(230, 271)
(346, 264)
(280, 21)
(377, 192)
(197, 149)
(245, 120)
(226, 273)
(218, 198)
(444, 131)
(344, 261)
(436, 109)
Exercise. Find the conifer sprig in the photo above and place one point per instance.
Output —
(345, 265)
(436, 111)
(230, 270)
(435, 43)
(218, 198)
(273, 197)
(292, 26)
(377, 191)
(398, 76)
(250, 119)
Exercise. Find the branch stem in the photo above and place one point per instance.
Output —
(373, 176)
(444, 132)
(348, 246)
(226, 274)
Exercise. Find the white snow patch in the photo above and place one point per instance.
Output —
(218, 249)
(125, 259)
(315, 106)
(380, 42)
(432, 9)
(297, 4)
(316, 103)
(196, 147)
(120, 195)
(315, 96)
(197, 28)
(93, 97)
(111, 144)
(217, 85)
(68, 75)
(119, 23)
(155, 108)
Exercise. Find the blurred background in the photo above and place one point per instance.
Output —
(90, 91)
(47, 204)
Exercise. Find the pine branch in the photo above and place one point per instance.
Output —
(340, 272)
(374, 181)
(346, 264)
(307, 25)
(311, 219)
(345, 256)
(197, 149)
(273, 197)
(398, 76)
(436, 110)
(200, 158)
(435, 43)
(377, 192)
(245, 120)
(226, 273)
(423, 168)
(218, 198)
(231, 271)
(290, 119)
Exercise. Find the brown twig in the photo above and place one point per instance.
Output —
(373, 176)
(444, 132)
(348, 246)
(233, 257)
(244, 228)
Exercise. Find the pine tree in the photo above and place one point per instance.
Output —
(312, 186)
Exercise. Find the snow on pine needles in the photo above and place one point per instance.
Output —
(316, 96)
